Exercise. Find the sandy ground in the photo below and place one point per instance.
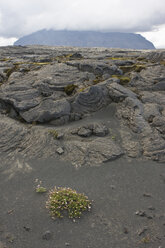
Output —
(121, 191)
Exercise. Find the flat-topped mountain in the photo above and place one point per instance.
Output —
(86, 39)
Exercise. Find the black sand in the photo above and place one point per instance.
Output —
(121, 191)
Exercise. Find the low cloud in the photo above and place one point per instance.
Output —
(157, 36)
(21, 17)
(7, 41)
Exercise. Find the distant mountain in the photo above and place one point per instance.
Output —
(86, 39)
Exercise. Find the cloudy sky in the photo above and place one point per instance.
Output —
(21, 17)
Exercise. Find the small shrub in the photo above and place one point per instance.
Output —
(11, 70)
(135, 67)
(18, 63)
(81, 89)
(54, 133)
(97, 80)
(145, 240)
(66, 199)
(162, 62)
(127, 68)
(40, 189)
(123, 79)
(41, 63)
(139, 68)
(4, 59)
(142, 59)
(34, 123)
(69, 89)
(63, 58)
(118, 58)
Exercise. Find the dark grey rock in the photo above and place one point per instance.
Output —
(99, 129)
(92, 100)
(123, 62)
(159, 86)
(147, 195)
(156, 56)
(47, 235)
(60, 121)
(48, 110)
(149, 78)
(93, 151)
(27, 228)
(151, 110)
(84, 132)
(125, 230)
(142, 231)
(118, 93)
(154, 146)
(2, 78)
(131, 111)
(60, 150)
(21, 98)
(158, 121)
(151, 208)
(147, 97)
(97, 68)
(141, 213)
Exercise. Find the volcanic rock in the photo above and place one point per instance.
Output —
(78, 92)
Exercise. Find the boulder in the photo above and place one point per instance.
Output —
(93, 152)
(47, 110)
(97, 68)
(151, 110)
(98, 129)
(91, 100)
(118, 93)
(84, 132)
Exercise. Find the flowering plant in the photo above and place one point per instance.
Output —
(65, 199)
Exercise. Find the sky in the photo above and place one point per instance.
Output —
(22, 17)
